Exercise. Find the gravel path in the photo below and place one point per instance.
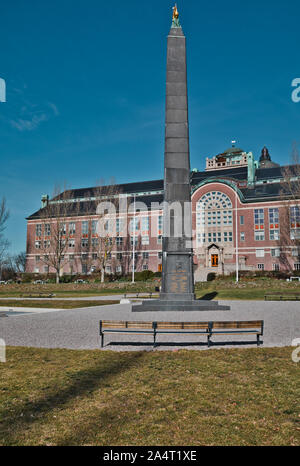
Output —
(78, 328)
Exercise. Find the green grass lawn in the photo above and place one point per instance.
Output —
(54, 303)
(215, 397)
(224, 288)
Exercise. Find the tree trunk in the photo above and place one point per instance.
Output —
(102, 275)
(57, 276)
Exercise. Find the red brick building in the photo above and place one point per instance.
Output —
(239, 212)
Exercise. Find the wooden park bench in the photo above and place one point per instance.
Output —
(38, 295)
(282, 297)
(141, 295)
(253, 327)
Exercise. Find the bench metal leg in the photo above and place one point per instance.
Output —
(258, 340)
(154, 338)
(208, 340)
(101, 334)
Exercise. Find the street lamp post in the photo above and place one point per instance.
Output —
(133, 246)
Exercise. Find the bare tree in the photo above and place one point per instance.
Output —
(19, 262)
(4, 243)
(4, 215)
(290, 213)
(56, 230)
(105, 227)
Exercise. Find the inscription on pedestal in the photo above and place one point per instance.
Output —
(179, 283)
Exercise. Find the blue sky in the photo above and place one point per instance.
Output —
(86, 90)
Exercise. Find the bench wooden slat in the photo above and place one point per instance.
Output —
(236, 324)
(182, 325)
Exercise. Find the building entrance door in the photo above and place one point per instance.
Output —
(214, 260)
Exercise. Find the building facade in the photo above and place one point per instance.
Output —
(245, 216)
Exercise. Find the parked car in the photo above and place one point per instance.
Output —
(2, 282)
(39, 282)
(79, 280)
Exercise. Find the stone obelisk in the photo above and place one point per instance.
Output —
(177, 275)
(177, 290)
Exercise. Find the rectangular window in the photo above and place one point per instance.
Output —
(159, 254)
(259, 225)
(295, 252)
(145, 226)
(242, 220)
(94, 256)
(47, 229)
(85, 227)
(71, 257)
(297, 266)
(84, 242)
(160, 224)
(72, 228)
(62, 228)
(94, 227)
(260, 253)
(145, 266)
(119, 269)
(145, 255)
(136, 222)
(295, 222)
(135, 241)
(275, 252)
(274, 224)
(37, 245)
(95, 242)
(119, 225)
(242, 236)
(38, 229)
(261, 266)
(145, 240)
(159, 239)
(227, 236)
(46, 268)
(119, 256)
(275, 267)
(37, 258)
(119, 241)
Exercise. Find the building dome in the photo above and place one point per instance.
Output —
(233, 150)
(265, 159)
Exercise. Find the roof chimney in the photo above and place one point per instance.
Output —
(45, 200)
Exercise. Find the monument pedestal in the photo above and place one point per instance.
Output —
(178, 305)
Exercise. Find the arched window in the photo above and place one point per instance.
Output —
(214, 218)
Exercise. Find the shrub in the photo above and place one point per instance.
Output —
(211, 276)
(143, 276)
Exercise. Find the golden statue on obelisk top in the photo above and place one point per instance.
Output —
(175, 12)
(175, 19)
